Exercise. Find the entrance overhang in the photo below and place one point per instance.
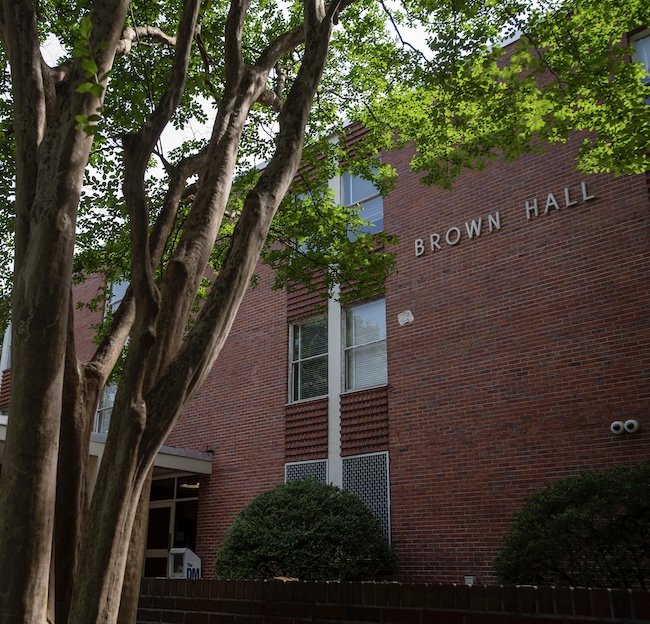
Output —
(169, 458)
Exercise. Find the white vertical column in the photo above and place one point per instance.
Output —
(5, 349)
(334, 390)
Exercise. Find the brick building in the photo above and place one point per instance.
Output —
(514, 332)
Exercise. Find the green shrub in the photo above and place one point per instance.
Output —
(591, 530)
(307, 530)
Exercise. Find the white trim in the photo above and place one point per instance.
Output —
(5, 361)
(334, 386)
(169, 457)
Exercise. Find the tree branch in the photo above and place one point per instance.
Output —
(204, 342)
(279, 47)
(206, 63)
(271, 99)
(133, 34)
(21, 41)
(234, 64)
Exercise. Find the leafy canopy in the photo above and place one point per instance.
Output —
(427, 72)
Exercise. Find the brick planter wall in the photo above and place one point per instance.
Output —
(278, 602)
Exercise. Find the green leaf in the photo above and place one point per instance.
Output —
(85, 27)
(89, 66)
(97, 90)
(85, 87)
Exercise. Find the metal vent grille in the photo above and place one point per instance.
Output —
(367, 477)
(316, 469)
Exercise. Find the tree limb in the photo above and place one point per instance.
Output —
(271, 99)
(279, 47)
(21, 41)
(133, 34)
(234, 64)
(202, 345)
(206, 63)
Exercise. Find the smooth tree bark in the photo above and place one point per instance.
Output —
(54, 396)
(51, 155)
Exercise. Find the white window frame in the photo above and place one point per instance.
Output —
(104, 411)
(644, 59)
(117, 292)
(348, 349)
(295, 365)
(346, 178)
(5, 357)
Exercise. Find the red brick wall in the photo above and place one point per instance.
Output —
(239, 414)
(5, 389)
(85, 319)
(526, 344)
(278, 602)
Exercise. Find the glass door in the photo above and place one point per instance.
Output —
(159, 538)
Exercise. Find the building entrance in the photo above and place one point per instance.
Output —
(172, 520)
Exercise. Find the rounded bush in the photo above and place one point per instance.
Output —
(591, 530)
(306, 530)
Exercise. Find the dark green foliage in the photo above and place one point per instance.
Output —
(591, 530)
(307, 530)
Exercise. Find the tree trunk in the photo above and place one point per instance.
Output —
(80, 398)
(134, 565)
(31, 454)
(163, 367)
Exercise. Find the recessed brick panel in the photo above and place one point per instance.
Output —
(306, 430)
(364, 421)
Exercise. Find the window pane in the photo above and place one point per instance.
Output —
(158, 529)
(642, 53)
(187, 487)
(107, 398)
(366, 323)
(310, 378)
(365, 355)
(366, 366)
(103, 420)
(310, 339)
(118, 290)
(356, 189)
(373, 212)
(185, 529)
(364, 193)
(309, 359)
(105, 408)
(162, 489)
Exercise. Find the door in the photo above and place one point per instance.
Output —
(159, 539)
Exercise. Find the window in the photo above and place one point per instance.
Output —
(118, 290)
(5, 350)
(105, 408)
(363, 192)
(642, 55)
(365, 346)
(309, 359)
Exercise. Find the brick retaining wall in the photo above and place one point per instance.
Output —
(277, 602)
